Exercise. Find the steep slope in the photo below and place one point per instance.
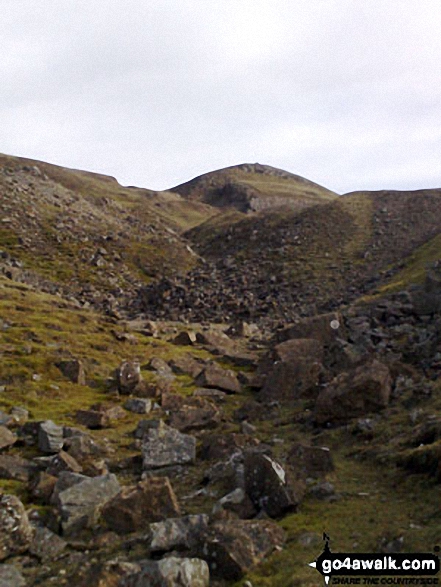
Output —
(254, 187)
(83, 234)
(276, 265)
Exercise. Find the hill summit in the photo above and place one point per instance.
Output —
(252, 187)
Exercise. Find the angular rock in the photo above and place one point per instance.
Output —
(128, 376)
(170, 572)
(138, 405)
(293, 369)
(310, 461)
(99, 416)
(50, 437)
(73, 369)
(80, 505)
(186, 365)
(144, 426)
(92, 419)
(185, 338)
(195, 414)
(15, 530)
(222, 446)
(16, 468)
(166, 446)
(177, 533)
(10, 576)
(215, 340)
(236, 502)
(269, 486)
(162, 368)
(215, 376)
(215, 394)
(46, 545)
(7, 438)
(63, 462)
(83, 446)
(150, 500)
(234, 547)
(353, 394)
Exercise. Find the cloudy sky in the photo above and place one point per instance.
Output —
(344, 92)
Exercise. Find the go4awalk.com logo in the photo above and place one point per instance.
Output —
(377, 569)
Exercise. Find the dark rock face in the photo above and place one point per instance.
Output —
(354, 394)
(216, 377)
(15, 530)
(234, 547)
(269, 485)
(151, 500)
(294, 369)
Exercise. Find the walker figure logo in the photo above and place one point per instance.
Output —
(377, 565)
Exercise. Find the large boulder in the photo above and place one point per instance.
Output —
(151, 500)
(269, 485)
(170, 572)
(234, 547)
(80, 505)
(294, 369)
(165, 446)
(353, 394)
(219, 378)
(15, 530)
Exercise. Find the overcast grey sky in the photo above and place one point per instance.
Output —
(344, 92)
